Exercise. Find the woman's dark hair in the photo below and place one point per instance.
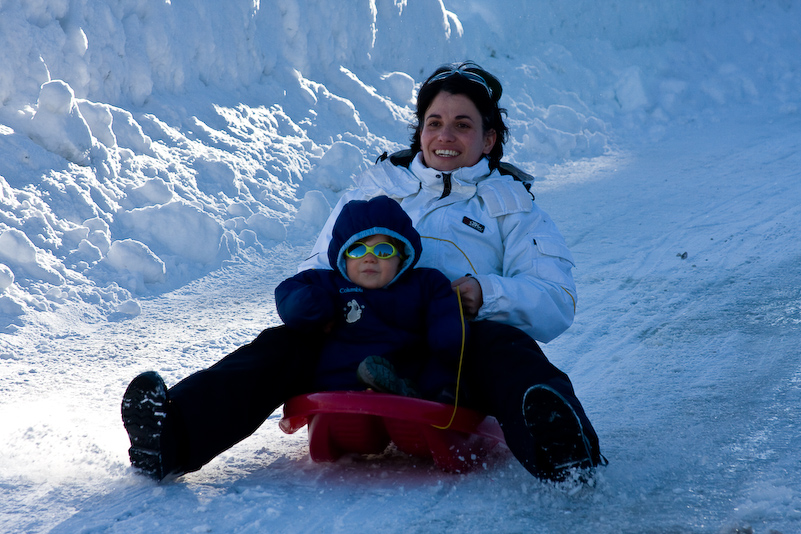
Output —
(481, 87)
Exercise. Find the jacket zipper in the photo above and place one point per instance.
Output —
(446, 185)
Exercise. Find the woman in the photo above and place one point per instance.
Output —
(482, 229)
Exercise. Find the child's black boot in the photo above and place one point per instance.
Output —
(380, 375)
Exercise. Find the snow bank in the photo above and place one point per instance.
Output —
(143, 144)
(58, 125)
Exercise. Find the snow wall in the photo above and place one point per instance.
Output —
(144, 143)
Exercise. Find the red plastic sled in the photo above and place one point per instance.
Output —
(364, 422)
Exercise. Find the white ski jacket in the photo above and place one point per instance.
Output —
(487, 226)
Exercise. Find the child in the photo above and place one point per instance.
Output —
(400, 327)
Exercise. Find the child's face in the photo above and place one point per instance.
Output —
(370, 272)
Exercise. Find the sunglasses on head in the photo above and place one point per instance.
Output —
(469, 75)
(382, 251)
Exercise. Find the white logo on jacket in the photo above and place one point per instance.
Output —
(353, 311)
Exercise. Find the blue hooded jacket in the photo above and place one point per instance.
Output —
(414, 321)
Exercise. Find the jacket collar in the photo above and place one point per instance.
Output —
(398, 181)
(431, 178)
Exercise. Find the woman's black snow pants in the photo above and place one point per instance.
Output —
(502, 362)
(213, 409)
(216, 408)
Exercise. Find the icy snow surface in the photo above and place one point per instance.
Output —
(164, 164)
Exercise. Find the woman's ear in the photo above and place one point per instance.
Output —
(490, 136)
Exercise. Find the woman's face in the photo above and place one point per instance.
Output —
(453, 135)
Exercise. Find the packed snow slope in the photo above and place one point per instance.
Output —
(164, 164)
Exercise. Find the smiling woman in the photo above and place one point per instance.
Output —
(468, 96)
(453, 133)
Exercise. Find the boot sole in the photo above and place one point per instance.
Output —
(547, 413)
(143, 414)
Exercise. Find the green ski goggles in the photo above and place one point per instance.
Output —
(382, 251)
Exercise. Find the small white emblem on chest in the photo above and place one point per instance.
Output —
(353, 312)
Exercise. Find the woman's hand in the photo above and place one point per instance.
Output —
(472, 296)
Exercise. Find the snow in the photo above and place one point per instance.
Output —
(163, 165)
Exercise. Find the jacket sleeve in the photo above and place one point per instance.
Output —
(536, 291)
(305, 301)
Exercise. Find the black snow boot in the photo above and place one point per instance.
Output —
(144, 414)
(561, 446)
(380, 375)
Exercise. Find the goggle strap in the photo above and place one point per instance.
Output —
(472, 76)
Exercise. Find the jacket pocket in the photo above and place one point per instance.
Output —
(548, 246)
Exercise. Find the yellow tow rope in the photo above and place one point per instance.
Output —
(461, 359)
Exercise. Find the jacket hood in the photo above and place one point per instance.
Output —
(363, 218)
